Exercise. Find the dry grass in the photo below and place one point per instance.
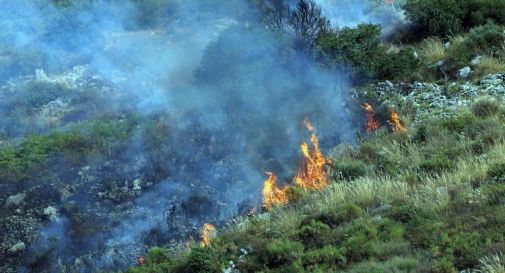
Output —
(489, 65)
(432, 50)
(492, 264)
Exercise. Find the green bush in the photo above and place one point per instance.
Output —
(314, 233)
(18, 162)
(156, 255)
(328, 257)
(436, 164)
(459, 122)
(496, 172)
(486, 107)
(282, 253)
(483, 40)
(349, 170)
(483, 11)
(449, 17)
(338, 216)
(437, 17)
(360, 53)
(202, 260)
(443, 266)
(495, 194)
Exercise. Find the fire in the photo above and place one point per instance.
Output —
(273, 194)
(208, 232)
(396, 123)
(311, 175)
(372, 123)
(141, 261)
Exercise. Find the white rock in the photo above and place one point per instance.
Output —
(136, 184)
(476, 60)
(51, 213)
(464, 72)
(15, 200)
(20, 246)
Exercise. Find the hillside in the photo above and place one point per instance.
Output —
(149, 136)
(430, 199)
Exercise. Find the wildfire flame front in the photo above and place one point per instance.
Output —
(396, 123)
(372, 123)
(208, 232)
(273, 194)
(312, 175)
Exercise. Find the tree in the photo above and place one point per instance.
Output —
(307, 22)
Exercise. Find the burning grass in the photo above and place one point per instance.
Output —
(396, 123)
(310, 176)
(395, 214)
(208, 232)
(372, 123)
(273, 195)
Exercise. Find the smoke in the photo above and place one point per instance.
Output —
(235, 92)
(350, 13)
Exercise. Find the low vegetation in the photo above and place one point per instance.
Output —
(428, 200)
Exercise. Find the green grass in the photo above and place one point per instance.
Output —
(74, 145)
(430, 200)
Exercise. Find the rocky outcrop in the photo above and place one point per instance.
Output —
(432, 100)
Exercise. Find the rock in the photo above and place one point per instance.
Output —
(51, 213)
(136, 184)
(492, 80)
(464, 72)
(476, 60)
(20, 246)
(15, 200)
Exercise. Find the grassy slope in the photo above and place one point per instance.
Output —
(430, 200)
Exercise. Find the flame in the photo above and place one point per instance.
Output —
(273, 194)
(372, 123)
(141, 261)
(208, 232)
(311, 175)
(396, 123)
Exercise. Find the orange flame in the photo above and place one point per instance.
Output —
(208, 232)
(396, 123)
(311, 175)
(273, 194)
(372, 123)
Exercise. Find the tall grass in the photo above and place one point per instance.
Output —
(489, 65)
(432, 50)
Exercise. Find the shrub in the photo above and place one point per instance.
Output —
(202, 260)
(486, 107)
(157, 255)
(282, 253)
(443, 266)
(314, 233)
(483, 11)
(328, 257)
(489, 65)
(437, 17)
(295, 194)
(436, 164)
(349, 170)
(483, 40)
(360, 53)
(496, 172)
(338, 216)
(19, 162)
(459, 122)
